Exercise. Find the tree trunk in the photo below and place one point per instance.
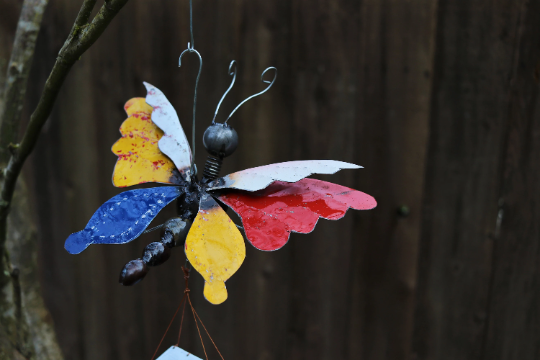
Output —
(26, 330)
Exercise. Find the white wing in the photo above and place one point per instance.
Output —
(174, 143)
(260, 177)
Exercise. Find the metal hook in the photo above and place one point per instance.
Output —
(260, 93)
(191, 49)
(233, 74)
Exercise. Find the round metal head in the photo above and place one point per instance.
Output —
(220, 140)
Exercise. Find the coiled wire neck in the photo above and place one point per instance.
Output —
(211, 168)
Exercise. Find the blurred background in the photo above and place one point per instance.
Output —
(438, 100)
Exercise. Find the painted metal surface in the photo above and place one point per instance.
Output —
(139, 158)
(260, 177)
(175, 353)
(270, 215)
(174, 143)
(122, 218)
(215, 248)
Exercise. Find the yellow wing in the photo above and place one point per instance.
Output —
(139, 158)
(215, 248)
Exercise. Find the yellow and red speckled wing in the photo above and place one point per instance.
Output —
(139, 158)
(215, 248)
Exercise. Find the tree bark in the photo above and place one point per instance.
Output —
(26, 329)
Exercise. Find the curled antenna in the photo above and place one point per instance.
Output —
(262, 92)
(232, 72)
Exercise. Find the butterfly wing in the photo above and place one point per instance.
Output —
(122, 218)
(260, 177)
(139, 158)
(174, 144)
(215, 248)
(270, 215)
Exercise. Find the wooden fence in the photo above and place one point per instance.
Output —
(438, 100)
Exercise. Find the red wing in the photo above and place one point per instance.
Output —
(270, 215)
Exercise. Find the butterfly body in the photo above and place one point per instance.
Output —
(272, 200)
(220, 140)
(188, 202)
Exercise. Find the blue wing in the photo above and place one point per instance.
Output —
(122, 218)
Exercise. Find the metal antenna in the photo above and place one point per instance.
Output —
(232, 72)
(191, 49)
(262, 92)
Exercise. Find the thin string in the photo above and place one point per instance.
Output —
(204, 327)
(196, 317)
(198, 330)
(191, 22)
(181, 323)
(186, 271)
(168, 327)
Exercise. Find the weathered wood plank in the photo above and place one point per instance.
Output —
(395, 68)
(474, 62)
(513, 309)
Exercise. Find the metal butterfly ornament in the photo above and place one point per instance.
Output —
(272, 200)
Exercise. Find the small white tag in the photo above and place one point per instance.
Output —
(175, 353)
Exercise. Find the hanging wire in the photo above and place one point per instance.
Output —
(196, 316)
(191, 49)
(183, 301)
(191, 23)
(262, 92)
(186, 270)
(232, 72)
(186, 299)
